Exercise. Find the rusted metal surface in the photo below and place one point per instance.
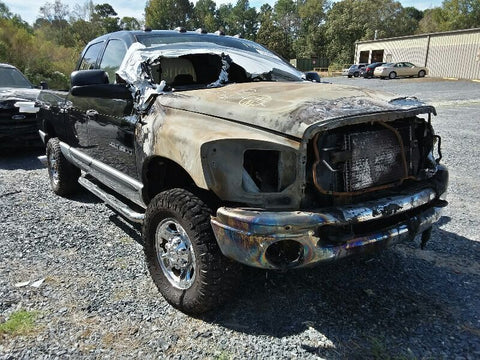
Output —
(245, 235)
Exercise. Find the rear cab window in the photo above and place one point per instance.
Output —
(112, 58)
(89, 60)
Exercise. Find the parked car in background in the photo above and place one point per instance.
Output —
(399, 69)
(345, 69)
(354, 70)
(18, 126)
(367, 71)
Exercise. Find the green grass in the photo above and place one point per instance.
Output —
(20, 322)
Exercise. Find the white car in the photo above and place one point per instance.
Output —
(399, 69)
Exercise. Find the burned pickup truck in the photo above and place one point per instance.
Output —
(228, 156)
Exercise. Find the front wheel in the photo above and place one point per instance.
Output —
(63, 175)
(421, 73)
(392, 75)
(182, 254)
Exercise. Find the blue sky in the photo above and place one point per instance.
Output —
(29, 9)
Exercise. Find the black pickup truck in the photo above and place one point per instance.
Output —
(228, 156)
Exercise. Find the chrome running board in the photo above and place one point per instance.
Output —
(112, 201)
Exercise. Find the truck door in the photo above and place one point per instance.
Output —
(76, 118)
(111, 122)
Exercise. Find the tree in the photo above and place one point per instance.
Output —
(54, 23)
(310, 34)
(461, 14)
(4, 11)
(129, 23)
(168, 14)
(349, 21)
(106, 17)
(204, 15)
(243, 20)
(270, 35)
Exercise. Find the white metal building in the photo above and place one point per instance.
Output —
(452, 54)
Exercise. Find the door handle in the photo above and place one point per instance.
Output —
(91, 113)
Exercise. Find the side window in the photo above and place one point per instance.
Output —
(112, 58)
(90, 58)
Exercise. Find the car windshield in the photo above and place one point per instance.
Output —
(10, 77)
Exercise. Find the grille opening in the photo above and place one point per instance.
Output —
(285, 253)
(355, 159)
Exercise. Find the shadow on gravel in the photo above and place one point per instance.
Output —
(393, 304)
(131, 229)
(26, 159)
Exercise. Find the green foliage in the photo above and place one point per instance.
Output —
(19, 323)
(312, 29)
(453, 15)
(168, 14)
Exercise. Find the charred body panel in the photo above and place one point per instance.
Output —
(220, 147)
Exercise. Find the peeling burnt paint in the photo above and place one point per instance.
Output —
(246, 235)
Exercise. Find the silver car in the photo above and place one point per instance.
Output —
(399, 69)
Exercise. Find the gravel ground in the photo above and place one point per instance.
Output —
(96, 299)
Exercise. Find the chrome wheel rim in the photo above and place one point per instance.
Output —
(175, 253)
(53, 168)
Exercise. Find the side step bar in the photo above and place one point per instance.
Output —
(111, 200)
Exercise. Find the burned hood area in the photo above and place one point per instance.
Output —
(257, 89)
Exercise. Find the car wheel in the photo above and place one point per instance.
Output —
(62, 174)
(382, 77)
(421, 73)
(392, 75)
(355, 74)
(349, 76)
(182, 253)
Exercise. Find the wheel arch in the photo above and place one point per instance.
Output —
(160, 173)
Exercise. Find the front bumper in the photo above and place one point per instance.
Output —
(261, 238)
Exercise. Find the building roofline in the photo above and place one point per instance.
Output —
(419, 35)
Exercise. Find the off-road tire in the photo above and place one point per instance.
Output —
(392, 75)
(214, 275)
(421, 73)
(62, 174)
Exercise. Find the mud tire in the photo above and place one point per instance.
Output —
(214, 274)
(62, 174)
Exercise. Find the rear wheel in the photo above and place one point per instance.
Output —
(356, 73)
(63, 175)
(182, 254)
(421, 73)
(392, 75)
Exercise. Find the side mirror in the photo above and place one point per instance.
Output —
(94, 83)
(103, 91)
(88, 77)
(312, 76)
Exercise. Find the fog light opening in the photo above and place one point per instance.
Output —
(285, 253)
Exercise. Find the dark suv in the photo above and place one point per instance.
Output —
(355, 69)
(367, 72)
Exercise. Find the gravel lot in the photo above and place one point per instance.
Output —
(96, 299)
